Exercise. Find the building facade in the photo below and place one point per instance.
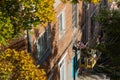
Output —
(91, 29)
(52, 46)
(64, 33)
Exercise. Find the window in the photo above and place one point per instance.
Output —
(62, 70)
(74, 15)
(62, 65)
(43, 43)
(61, 23)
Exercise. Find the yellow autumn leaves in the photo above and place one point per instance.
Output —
(19, 66)
(45, 11)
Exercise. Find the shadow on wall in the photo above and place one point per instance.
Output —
(56, 75)
(84, 22)
(34, 51)
(80, 15)
(54, 50)
(54, 45)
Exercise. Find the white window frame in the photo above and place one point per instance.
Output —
(63, 70)
(61, 32)
(62, 63)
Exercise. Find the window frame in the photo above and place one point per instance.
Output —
(62, 65)
(44, 39)
(62, 23)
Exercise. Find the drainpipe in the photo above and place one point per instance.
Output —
(29, 46)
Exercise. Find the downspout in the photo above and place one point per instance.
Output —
(29, 46)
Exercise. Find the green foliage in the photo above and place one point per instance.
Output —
(19, 15)
(110, 20)
(6, 30)
(74, 1)
(118, 3)
(19, 66)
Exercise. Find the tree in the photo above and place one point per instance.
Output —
(19, 66)
(110, 22)
(19, 15)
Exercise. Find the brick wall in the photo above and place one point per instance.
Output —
(63, 45)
